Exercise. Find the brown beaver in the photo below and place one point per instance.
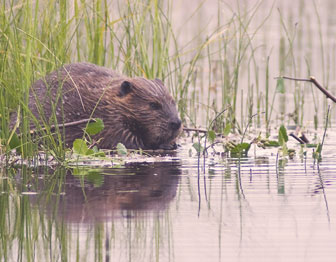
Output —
(136, 112)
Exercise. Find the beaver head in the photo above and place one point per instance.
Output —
(147, 117)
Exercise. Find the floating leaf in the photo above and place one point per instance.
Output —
(271, 143)
(121, 149)
(95, 127)
(211, 136)
(80, 147)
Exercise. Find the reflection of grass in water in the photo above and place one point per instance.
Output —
(32, 226)
(24, 227)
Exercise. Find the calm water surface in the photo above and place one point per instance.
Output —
(252, 209)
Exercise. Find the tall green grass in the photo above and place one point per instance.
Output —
(37, 37)
(221, 67)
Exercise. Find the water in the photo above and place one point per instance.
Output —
(256, 208)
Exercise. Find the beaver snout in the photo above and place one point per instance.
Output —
(175, 125)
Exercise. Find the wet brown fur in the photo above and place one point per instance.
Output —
(137, 112)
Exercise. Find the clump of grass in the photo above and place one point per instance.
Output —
(234, 53)
(37, 38)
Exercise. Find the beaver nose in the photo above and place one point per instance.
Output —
(175, 125)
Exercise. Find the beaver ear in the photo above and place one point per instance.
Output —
(159, 82)
(125, 88)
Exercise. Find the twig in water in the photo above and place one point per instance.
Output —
(204, 131)
(297, 138)
(314, 81)
(187, 129)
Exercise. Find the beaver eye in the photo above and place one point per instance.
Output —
(155, 105)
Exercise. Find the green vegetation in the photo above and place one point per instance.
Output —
(218, 69)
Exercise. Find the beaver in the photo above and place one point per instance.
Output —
(136, 112)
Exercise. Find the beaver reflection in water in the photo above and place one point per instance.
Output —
(136, 112)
